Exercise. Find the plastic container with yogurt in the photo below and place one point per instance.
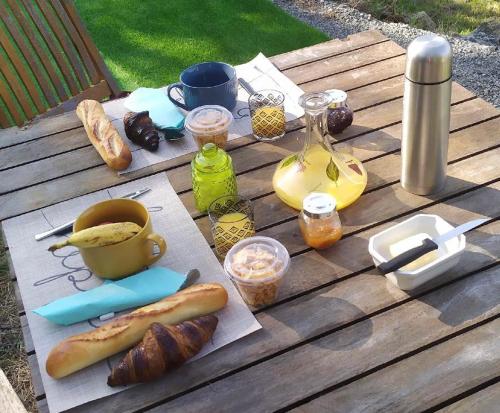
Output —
(209, 123)
(257, 265)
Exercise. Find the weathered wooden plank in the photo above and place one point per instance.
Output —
(344, 62)
(17, 294)
(8, 398)
(90, 46)
(424, 380)
(327, 49)
(41, 53)
(77, 41)
(65, 42)
(42, 406)
(9, 101)
(36, 378)
(100, 177)
(19, 95)
(336, 357)
(324, 309)
(28, 340)
(486, 400)
(372, 73)
(41, 127)
(53, 46)
(381, 171)
(12, 46)
(38, 128)
(40, 154)
(97, 92)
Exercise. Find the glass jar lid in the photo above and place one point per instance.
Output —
(211, 159)
(339, 98)
(319, 205)
(208, 119)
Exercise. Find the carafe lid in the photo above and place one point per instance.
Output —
(208, 119)
(211, 159)
(429, 60)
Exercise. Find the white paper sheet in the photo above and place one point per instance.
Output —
(261, 74)
(45, 276)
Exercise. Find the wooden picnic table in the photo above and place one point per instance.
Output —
(341, 337)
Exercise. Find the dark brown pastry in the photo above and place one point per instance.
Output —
(162, 349)
(140, 130)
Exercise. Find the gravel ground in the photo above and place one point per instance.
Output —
(475, 66)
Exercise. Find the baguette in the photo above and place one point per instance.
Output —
(82, 350)
(103, 135)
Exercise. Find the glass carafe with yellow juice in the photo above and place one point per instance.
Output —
(318, 167)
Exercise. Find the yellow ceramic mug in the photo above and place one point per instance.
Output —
(127, 257)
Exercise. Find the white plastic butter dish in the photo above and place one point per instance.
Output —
(408, 234)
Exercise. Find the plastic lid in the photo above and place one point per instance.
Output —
(339, 98)
(429, 59)
(257, 259)
(208, 119)
(319, 205)
(211, 159)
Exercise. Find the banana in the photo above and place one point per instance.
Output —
(100, 235)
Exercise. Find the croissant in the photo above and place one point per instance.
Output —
(162, 349)
(140, 130)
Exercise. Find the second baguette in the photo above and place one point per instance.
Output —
(82, 350)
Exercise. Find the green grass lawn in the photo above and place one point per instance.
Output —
(450, 16)
(149, 42)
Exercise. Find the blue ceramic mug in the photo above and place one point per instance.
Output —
(209, 83)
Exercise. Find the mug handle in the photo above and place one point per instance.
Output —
(176, 102)
(158, 240)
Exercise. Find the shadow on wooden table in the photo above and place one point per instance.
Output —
(328, 307)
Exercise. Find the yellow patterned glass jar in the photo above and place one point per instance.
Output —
(232, 220)
(267, 112)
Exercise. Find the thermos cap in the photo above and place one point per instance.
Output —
(429, 59)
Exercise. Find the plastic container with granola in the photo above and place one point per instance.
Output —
(257, 265)
(209, 123)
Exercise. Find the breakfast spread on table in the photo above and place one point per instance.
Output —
(116, 241)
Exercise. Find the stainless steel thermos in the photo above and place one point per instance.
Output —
(426, 114)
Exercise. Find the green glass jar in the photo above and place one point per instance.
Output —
(213, 176)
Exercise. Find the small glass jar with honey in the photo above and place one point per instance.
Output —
(319, 221)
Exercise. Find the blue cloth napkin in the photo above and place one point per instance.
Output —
(163, 113)
(112, 296)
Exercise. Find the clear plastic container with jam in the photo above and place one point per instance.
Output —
(256, 266)
(209, 124)
(319, 221)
